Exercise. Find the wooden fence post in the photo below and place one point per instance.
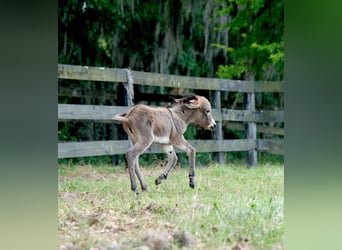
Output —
(127, 100)
(118, 132)
(250, 128)
(129, 87)
(217, 133)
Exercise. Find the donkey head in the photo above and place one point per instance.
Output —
(199, 110)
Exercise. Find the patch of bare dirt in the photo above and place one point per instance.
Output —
(242, 244)
(164, 240)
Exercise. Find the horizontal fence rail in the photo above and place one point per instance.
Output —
(175, 81)
(233, 119)
(260, 128)
(106, 113)
(97, 148)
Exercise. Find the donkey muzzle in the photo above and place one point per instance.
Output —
(212, 126)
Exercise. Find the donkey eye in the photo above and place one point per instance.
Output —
(207, 111)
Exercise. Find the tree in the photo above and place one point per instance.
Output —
(256, 40)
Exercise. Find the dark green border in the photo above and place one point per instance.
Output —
(313, 116)
(28, 98)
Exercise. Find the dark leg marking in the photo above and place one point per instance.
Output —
(160, 179)
(192, 181)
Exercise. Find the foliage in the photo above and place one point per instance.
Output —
(256, 40)
(96, 208)
(156, 36)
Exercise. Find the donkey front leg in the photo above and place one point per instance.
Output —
(171, 161)
(191, 152)
(192, 156)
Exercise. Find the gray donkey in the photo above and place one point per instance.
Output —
(165, 126)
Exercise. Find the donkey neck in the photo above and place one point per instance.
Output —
(186, 115)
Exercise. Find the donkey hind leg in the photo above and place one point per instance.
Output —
(171, 161)
(132, 157)
(140, 177)
(191, 152)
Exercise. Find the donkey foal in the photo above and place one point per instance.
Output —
(165, 126)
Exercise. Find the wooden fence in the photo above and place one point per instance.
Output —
(249, 116)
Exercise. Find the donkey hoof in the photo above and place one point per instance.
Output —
(192, 184)
(158, 181)
(134, 189)
(144, 188)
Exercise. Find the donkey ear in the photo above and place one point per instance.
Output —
(192, 102)
(173, 100)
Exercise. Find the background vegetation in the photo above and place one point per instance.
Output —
(235, 39)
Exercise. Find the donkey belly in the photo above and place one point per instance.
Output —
(162, 139)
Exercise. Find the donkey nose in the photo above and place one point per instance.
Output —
(212, 127)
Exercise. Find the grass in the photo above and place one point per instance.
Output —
(231, 207)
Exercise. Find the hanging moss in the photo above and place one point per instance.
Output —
(172, 36)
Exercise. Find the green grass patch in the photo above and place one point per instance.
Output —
(230, 207)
